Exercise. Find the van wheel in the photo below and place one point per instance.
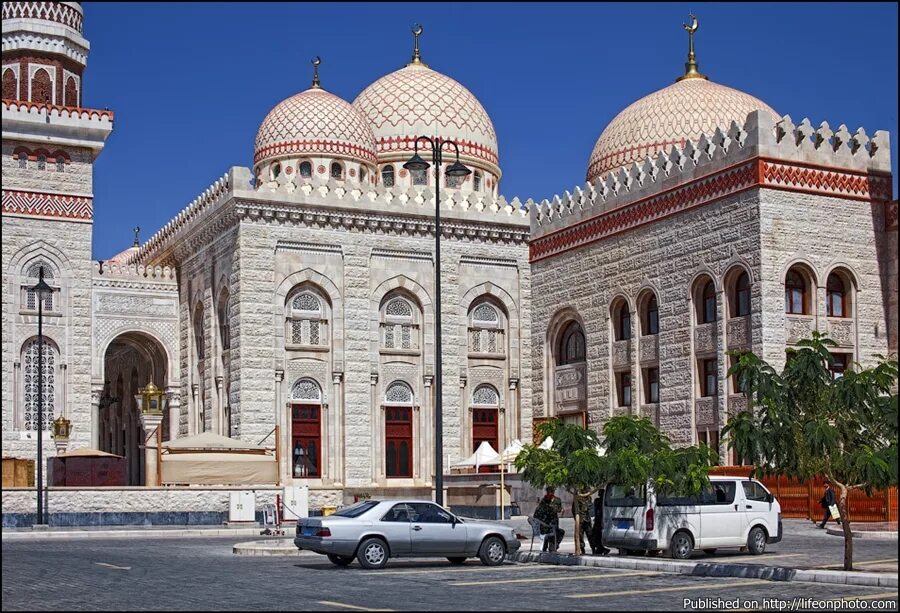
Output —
(372, 553)
(710, 551)
(682, 545)
(756, 541)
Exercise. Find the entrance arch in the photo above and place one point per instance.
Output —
(131, 360)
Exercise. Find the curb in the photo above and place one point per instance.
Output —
(703, 569)
(275, 547)
(882, 535)
(127, 534)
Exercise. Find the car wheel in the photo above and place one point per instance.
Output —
(710, 551)
(681, 546)
(493, 551)
(340, 560)
(457, 560)
(373, 553)
(756, 541)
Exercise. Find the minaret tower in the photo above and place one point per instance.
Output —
(50, 142)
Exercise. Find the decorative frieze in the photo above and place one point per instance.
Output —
(798, 328)
(738, 330)
(78, 208)
(649, 348)
(706, 412)
(842, 331)
(705, 338)
(621, 354)
(736, 404)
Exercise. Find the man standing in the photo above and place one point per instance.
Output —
(597, 542)
(826, 501)
(584, 513)
(548, 511)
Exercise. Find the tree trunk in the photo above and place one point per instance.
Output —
(845, 524)
(576, 505)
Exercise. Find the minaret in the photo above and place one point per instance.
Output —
(50, 142)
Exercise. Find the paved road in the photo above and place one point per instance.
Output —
(203, 574)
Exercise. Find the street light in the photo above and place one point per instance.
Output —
(457, 169)
(41, 289)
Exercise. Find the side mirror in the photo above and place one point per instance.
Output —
(770, 498)
(454, 521)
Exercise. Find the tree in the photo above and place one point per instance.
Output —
(808, 422)
(633, 452)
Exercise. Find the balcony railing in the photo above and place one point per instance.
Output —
(621, 354)
(739, 333)
(842, 331)
(649, 348)
(706, 337)
(706, 411)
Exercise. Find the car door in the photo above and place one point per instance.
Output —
(395, 527)
(757, 508)
(721, 516)
(433, 531)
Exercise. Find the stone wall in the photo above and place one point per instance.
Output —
(76, 178)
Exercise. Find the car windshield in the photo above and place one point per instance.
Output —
(625, 496)
(357, 509)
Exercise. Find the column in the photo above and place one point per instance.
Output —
(420, 447)
(130, 447)
(96, 393)
(173, 401)
(637, 375)
(285, 470)
(150, 424)
(514, 417)
(218, 414)
(337, 415)
(465, 416)
(428, 428)
(194, 414)
(377, 437)
(722, 369)
(324, 468)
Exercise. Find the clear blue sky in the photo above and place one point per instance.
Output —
(190, 83)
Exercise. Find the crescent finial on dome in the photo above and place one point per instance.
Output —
(690, 67)
(417, 58)
(315, 62)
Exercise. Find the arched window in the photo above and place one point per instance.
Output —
(199, 343)
(363, 173)
(706, 313)
(740, 302)
(476, 181)
(10, 85)
(306, 319)
(224, 316)
(387, 175)
(41, 162)
(485, 395)
(622, 321)
(837, 296)
(485, 413)
(419, 177)
(398, 443)
(71, 92)
(399, 325)
(306, 428)
(305, 170)
(276, 171)
(41, 87)
(795, 298)
(572, 345)
(650, 320)
(60, 163)
(337, 171)
(306, 390)
(486, 334)
(32, 276)
(23, 159)
(47, 402)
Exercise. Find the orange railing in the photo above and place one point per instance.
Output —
(801, 499)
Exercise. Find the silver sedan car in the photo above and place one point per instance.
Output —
(372, 531)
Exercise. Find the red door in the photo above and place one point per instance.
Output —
(306, 440)
(484, 428)
(398, 454)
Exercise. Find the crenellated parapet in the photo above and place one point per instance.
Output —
(115, 270)
(759, 153)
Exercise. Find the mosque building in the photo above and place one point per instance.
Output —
(296, 297)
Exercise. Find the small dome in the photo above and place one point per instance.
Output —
(418, 101)
(316, 123)
(677, 113)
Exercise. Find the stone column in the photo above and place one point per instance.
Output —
(337, 415)
(284, 425)
(96, 393)
(131, 447)
(513, 417)
(150, 424)
(195, 412)
(324, 467)
(465, 417)
(173, 400)
(722, 387)
(217, 415)
(377, 437)
(427, 421)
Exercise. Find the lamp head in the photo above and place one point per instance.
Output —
(416, 163)
(457, 169)
(41, 287)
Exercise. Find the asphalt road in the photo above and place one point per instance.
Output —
(203, 574)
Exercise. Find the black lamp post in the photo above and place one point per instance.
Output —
(41, 289)
(416, 163)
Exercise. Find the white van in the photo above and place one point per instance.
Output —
(732, 512)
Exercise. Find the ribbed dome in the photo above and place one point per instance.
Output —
(315, 122)
(682, 111)
(418, 101)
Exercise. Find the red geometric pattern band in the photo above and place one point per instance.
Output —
(47, 205)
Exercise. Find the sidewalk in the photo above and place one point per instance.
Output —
(105, 532)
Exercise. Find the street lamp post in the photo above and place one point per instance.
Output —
(41, 289)
(457, 169)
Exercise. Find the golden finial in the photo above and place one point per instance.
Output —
(315, 62)
(690, 67)
(416, 58)
(137, 240)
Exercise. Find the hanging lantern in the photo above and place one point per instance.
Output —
(151, 400)
(62, 427)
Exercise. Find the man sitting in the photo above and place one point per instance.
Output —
(547, 511)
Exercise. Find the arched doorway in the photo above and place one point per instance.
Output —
(306, 429)
(131, 361)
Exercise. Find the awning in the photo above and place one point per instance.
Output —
(219, 469)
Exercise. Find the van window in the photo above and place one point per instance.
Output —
(625, 496)
(754, 491)
(719, 492)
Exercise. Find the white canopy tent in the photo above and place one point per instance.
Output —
(485, 455)
(512, 451)
(547, 444)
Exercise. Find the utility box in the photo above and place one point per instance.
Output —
(242, 507)
(295, 503)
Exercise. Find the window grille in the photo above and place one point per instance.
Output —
(306, 389)
(485, 395)
(48, 393)
(398, 393)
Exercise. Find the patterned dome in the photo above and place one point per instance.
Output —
(315, 122)
(417, 101)
(682, 111)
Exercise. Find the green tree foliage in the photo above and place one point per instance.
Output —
(805, 422)
(633, 452)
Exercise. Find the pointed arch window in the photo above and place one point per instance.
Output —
(707, 303)
(795, 293)
(623, 322)
(486, 330)
(306, 319)
(30, 297)
(399, 324)
(572, 345)
(46, 403)
(837, 296)
(225, 321)
(741, 300)
(651, 316)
